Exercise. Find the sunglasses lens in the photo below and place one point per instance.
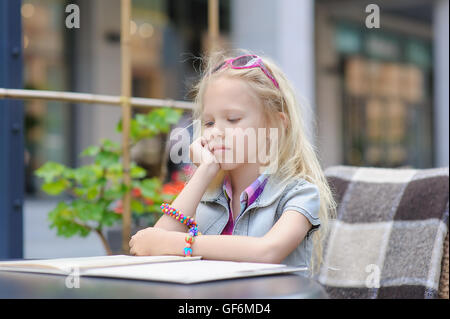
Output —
(246, 60)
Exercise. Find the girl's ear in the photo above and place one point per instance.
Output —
(284, 119)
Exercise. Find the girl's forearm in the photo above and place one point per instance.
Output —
(189, 198)
(222, 247)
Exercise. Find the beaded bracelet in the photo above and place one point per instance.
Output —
(188, 249)
(186, 220)
(175, 213)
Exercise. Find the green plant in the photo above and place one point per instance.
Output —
(96, 189)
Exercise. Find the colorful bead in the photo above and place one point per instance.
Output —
(189, 239)
(187, 251)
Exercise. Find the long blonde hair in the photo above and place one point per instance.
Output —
(296, 155)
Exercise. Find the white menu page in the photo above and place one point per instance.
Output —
(192, 271)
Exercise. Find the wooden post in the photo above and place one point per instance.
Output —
(213, 25)
(126, 117)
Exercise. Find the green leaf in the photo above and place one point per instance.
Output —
(137, 171)
(68, 173)
(97, 170)
(109, 145)
(54, 188)
(115, 168)
(62, 217)
(53, 214)
(50, 170)
(147, 133)
(79, 191)
(150, 187)
(172, 115)
(115, 192)
(137, 206)
(157, 118)
(109, 218)
(119, 126)
(106, 158)
(102, 181)
(88, 211)
(154, 117)
(114, 172)
(92, 192)
(91, 151)
(135, 129)
(141, 119)
(88, 175)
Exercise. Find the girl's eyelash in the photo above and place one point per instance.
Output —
(211, 123)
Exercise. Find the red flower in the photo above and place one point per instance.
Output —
(148, 201)
(119, 208)
(136, 192)
(173, 188)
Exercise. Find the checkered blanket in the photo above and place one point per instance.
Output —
(388, 238)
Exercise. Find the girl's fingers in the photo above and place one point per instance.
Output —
(205, 143)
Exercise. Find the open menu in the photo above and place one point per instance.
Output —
(176, 269)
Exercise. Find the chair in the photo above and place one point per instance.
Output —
(390, 237)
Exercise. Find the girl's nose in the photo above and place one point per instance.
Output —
(214, 134)
(217, 131)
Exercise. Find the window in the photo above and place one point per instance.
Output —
(386, 98)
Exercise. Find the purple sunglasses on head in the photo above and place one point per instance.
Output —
(247, 62)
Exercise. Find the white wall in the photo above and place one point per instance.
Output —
(283, 30)
(441, 82)
(98, 72)
(329, 106)
(253, 26)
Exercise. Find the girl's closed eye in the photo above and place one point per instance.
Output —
(211, 123)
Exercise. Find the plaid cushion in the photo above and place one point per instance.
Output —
(388, 238)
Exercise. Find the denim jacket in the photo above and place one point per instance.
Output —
(258, 218)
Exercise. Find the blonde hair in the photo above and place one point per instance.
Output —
(296, 155)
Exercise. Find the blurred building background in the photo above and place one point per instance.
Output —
(379, 97)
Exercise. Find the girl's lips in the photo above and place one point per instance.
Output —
(221, 148)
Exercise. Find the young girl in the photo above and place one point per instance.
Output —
(275, 212)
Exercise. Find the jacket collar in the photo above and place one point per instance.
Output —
(271, 192)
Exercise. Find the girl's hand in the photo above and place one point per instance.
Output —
(200, 153)
(148, 242)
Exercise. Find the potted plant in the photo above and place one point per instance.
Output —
(95, 190)
(142, 217)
